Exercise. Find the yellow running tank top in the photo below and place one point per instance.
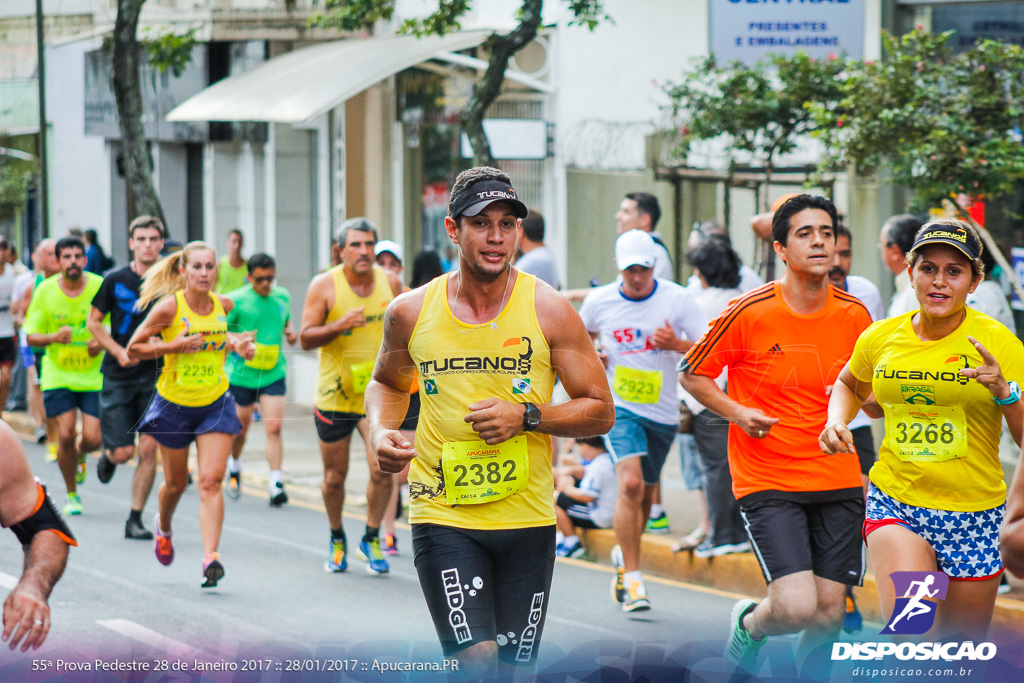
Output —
(346, 364)
(459, 364)
(195, 379)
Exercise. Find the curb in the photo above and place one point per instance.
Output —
(741, 573)
(737, 573)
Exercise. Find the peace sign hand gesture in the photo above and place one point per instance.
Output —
(988, 374)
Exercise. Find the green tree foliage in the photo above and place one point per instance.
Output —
(170, 51)
(943, 124)
(760, 109)
(360, 15)
(16, 176)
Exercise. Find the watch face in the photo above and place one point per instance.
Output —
(532, 415)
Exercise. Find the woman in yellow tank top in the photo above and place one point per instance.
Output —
(188, 328)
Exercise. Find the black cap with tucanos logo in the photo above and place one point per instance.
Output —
(952, 234)
(478, 196)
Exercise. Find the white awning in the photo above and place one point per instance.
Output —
(300, 85)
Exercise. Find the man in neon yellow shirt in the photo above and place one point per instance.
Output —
(231, 270)
(56, 320)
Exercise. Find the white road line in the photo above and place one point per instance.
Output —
(171, 647)
(8, 581)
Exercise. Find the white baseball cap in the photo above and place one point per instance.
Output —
(387, 245)
(634, 248)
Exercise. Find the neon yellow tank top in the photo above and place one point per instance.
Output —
(346, 364)
(458, 365)
(195, 379)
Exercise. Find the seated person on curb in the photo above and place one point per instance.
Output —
(585, 495)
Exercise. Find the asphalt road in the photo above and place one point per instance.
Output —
(277, 616)
(278, 607)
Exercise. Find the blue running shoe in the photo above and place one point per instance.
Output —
(337, 560)
(370, 552)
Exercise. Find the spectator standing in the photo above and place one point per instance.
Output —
(537, 259)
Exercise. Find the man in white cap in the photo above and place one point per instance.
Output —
(390, 256)
(642, 323)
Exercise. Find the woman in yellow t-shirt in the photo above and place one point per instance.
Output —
(188, 328)
(943, 377)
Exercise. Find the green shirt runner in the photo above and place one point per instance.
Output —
(229, 278)
(267, 315)
(66, 366)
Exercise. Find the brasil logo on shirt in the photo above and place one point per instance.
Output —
(430, 387)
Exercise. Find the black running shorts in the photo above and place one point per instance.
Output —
(412, 416)
(485, 586)
(815, 531)
(333, 425)
(8, 350)
(864, 443)
(123, 405)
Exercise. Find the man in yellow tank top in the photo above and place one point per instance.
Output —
(343, 317)
(487, 343)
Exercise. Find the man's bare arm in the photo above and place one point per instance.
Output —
(397, 287)
(26, 615)
(314, 331)
(387, 395)
(751, 420)
(100, 332)
(590, 411)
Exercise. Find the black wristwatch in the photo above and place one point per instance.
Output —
(531, 417)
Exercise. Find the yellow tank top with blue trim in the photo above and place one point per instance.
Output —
(346, 363)
(459, 364)
(195, 379)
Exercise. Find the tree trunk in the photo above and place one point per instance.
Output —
(128, 95)
(502, 48)
(769, 249)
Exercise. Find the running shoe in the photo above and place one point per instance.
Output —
(635, 597)
(163, 547)
(706, 549)
(74, 504)
(853, 621)
(690, 541)
(742, 648)
(40, 435)
(277, 496)
(337, 560)
(572, 551)
(213, 570)
(1004, 585)
(82, 470)
(658, 525)
(370, 552)
(234, 485)
(135, 531)
(105, 469)
(51, 452)
(390, 544)
(618, 592)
